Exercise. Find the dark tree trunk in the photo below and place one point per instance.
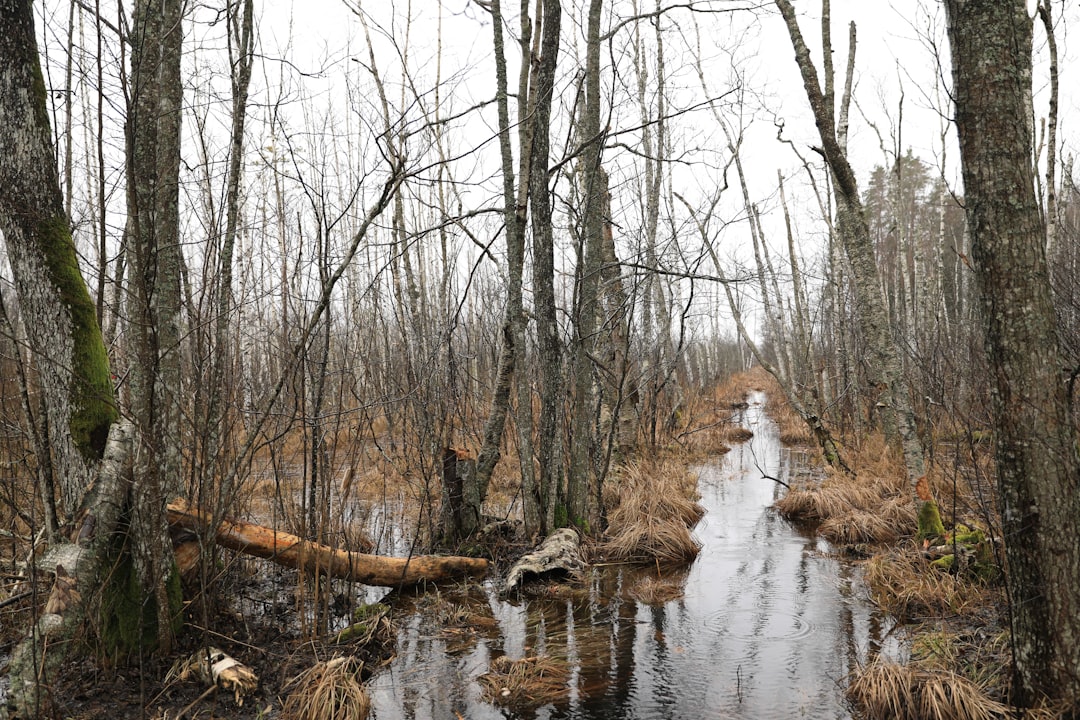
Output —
(583, 489)
(1036, 453)
(153, 137)
(549, 467)
(884, 371)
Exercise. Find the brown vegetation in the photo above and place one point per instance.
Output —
(654, 513)
(904, 584)
(657, 590)
(329, 690)
(528, 682)
(898, 692)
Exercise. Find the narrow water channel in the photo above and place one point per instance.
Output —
(769, 624)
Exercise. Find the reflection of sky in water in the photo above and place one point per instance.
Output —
(768, 627)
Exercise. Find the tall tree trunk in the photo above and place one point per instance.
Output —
(549, 465)
(67, 347)
(1037, 463)
(583, 483)
(241, 49)
(512, 355)
(153, 137)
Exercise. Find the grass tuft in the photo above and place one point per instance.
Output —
(528, 682)
(903, 584)
(902, 692)
(885, 524)
(329, 690)
(655, 511)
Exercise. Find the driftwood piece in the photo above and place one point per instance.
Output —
(295, 552)
(561, 551)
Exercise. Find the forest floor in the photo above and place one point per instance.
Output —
(953, 617)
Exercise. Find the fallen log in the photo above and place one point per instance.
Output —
(295, 552)
(560, 552)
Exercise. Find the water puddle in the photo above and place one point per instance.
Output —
(769, 624)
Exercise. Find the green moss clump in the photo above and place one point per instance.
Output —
(561, 515)
(365, 623)
(944, 562)
(930, 525)
(368, 611)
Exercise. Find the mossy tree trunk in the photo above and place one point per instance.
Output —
(73, 377)
(1037, 463)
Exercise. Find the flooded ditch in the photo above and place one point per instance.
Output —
(768, 625)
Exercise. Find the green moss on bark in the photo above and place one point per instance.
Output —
(93, 409)
(129, 619)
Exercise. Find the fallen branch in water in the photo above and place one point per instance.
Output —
(775, 480)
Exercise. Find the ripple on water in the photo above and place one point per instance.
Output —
(758, 624)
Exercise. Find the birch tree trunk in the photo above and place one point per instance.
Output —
(73, 371)
(1037, 463)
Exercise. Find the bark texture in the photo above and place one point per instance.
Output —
(153, 244)
(1037, 463)
(59, 317)
(549, 465)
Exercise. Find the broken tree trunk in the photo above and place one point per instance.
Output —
(295, 552)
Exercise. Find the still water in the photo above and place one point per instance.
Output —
(769, 624)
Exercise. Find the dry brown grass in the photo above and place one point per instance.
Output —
(893, 520)
(657, 590)
(528, 682)
(739, 434)
(666, 542)
(654, 508)
(329, 690)
(903, 584)
(904, 692)
(872, 506)
(827, 500)
(982, 657)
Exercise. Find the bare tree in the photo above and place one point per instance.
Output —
(884, 369)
